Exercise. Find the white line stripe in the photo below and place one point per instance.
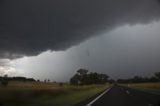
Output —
(98, 97)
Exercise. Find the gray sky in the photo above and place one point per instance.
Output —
(52, 39)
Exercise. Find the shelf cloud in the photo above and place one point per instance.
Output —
(30, 27)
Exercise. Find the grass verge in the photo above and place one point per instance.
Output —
(146, 87)
(52, 96)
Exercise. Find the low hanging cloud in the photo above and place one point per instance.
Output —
(4, 62)
(29, 27)
(6, 67)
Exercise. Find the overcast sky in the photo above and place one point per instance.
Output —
(53, 39)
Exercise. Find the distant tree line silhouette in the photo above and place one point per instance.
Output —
(139, 79)
(5, 79)
(83, 77)
(17, 79)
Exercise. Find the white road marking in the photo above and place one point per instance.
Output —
(89, 104)
(127, 92)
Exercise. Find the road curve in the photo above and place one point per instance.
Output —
(122, 96)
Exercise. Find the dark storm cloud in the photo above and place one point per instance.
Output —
(29, 27)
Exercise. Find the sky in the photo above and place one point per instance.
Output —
(53, 39)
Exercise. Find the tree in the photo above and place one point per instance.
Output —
(4, 80)
(111, 81)
(157, 75)
(75, 80)
(48, 80)
(45, 81)
(93, 78)
(82, 77)
(82, 72)
(103, 78)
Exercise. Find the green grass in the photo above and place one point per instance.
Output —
(39, 94)
(146, 87)
(75, 96)
(156, 91)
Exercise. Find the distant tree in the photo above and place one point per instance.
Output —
(48, 80)
(4, 80)
(103, 78)
(137, 79)
(54, 82)
(93, 78)
(153, 79)
(82, 72)
(157, 75)
(5, 76)
(45, 80)
(75, 79)
(20, 79)
(111, 81)
(82, 77)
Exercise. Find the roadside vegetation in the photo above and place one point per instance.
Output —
(83, 77)
(21, 91)
(140, 79)
(147, 84)
(46, 94)
(152, 87)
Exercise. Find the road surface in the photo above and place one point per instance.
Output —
(122, 96)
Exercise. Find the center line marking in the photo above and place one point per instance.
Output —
(98, 97)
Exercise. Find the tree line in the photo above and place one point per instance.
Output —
(83, 77)
(139, 79)
(5, 79)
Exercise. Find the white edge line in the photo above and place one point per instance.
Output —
(89, 104)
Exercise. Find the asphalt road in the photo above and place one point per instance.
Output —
(122, 96)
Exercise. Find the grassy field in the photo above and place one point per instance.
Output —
(147, 87)
(46, 94)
